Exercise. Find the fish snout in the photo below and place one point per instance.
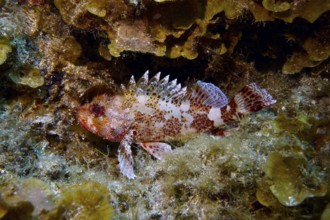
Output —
(82, 116)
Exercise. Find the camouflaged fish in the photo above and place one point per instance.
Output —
(152, 112)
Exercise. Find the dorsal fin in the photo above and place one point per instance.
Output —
(132, 83)
(143, 81)
(201, 93)
(155, 78)
(157, 86)
(207, 94)
(164, 80)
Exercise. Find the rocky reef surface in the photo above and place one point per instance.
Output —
(55, 55)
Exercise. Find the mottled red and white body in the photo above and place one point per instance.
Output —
(152, 112)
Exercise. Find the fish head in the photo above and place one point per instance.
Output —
(92, 115)
(104, 117)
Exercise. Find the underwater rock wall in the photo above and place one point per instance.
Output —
(56, 55)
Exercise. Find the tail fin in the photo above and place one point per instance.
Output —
(251, 98)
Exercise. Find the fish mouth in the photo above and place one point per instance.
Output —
(82, 116)
(88, 122)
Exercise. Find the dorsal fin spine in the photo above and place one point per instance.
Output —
(132, 82)
(122, 87)
(178, 87)
(143, 81)
(156, 77)
(173, 82)
(159, 87)
(164, 80)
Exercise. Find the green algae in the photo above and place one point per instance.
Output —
(5, 49)
(24, 199)
(32, 198)
(276, 6)
(86, 201)
(326, 213)
(28, 76)
(97, 8)
(292, 182)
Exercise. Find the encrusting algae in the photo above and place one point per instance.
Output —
(5, 49)
(291, 181)
(32, 198)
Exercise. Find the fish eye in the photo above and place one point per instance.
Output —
(97, 110)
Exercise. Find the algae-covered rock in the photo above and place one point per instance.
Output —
(165, 0)
(38, 194)
(104, 52)
(288, 10)
(32, 198)
(315, 51)
(15, 210)
(28, 76)
(5, 49)
(86, 201)
(133, 36)
(97, 7)
(298, 125)
(297, 61)
(25, 199)
(309, 10)
(167, 28)
(318, 49)
(279, 6)
(326, 213)
(59, 51)
(292, 182)
(73, 12)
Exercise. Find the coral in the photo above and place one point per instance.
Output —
(292, 181)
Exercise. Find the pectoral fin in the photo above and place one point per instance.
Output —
(125, 156)
(156, 149)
